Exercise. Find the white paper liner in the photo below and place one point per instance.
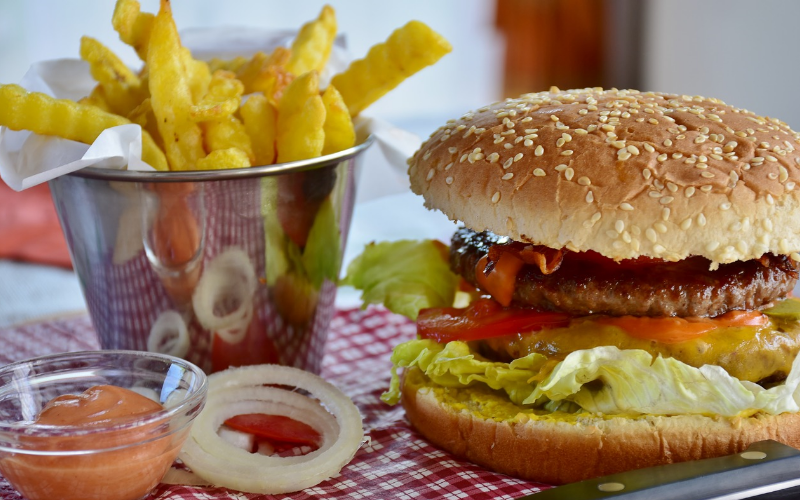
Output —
(27, 159)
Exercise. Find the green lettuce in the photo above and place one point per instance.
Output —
(454, 365)
(405, 276)
(601, 380)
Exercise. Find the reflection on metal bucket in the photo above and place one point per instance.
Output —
(224, 268)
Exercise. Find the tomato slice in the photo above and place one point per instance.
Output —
(484, 318)
(275, 429)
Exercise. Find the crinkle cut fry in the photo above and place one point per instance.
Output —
(42, 114)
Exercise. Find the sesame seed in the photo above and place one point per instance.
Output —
(689, 192)
(677, 156)
(596, 217)
(569, 173)
(659, 249)
(452, 151)
(449, 166)
(701, 220)
(494, 157)
(649, 148)
(626, 206)
(651, 235)
(795, 256)
(646, 173)
(701, 166)
(528, 143)
(508, 146)
(727, 206)
(526, 119)
(662, 157)
(706, 188)
(784, 174)
(449, 180)
(686, 224)
(772, 175)
(539, 151)
(734, 178)
(707, 175)
(539, 172)
(623, 155)
(508, 176)
(712, 245)
(589, 197)
(654, 194)
(660, 227)
(633, 150)
(767, 224)
(554, 118)
(584, 181)
(619, 225)
(581, 131)
(561, 168)
(518, 140)
(672, 186)
(560, 142)
(666, 200)
(618, 144)
(430, 174)
(665, 213)
(770, 199)
(496, 197)
(566, 137)
(566, 152)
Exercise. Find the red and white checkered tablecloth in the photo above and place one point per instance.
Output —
(397, 463)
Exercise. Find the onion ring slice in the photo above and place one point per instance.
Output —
(242, 390)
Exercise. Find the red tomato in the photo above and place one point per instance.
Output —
(276, 429)
(483, 319)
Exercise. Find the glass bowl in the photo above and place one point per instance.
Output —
(124, 458)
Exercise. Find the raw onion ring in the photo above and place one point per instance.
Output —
(230, 276)
(242, 390)
(169, 335)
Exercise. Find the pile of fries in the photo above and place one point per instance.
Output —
(198, 115)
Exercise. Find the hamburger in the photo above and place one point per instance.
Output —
(624, 273)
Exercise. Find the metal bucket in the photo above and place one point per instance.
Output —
(221, 268)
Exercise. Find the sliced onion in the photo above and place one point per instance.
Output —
(239, 391)
(169, 335)
(229, 278)
(239, 439)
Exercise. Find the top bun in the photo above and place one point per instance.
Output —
(620, 172)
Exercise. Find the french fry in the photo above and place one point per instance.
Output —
(97, 98)
(143, 116)
(197, 73)
(312, 46)
(133, 25)
(121, 86)
(223, 159)
(258, 116)
(339, 131)
(170, 94)
(227, 133)
(301, 116)
(42, 114)
(406, 51)
(234, 64)
(222, 99)
(266, 74)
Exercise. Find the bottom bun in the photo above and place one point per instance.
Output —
(565, 448)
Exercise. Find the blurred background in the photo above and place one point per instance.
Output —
(737, 50)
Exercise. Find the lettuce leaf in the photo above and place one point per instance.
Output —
(454, 365)
(405, 276)
(601, 380)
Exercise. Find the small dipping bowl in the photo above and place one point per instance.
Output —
(122, 460)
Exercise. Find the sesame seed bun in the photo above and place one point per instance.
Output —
(558, 452)
(623, 173)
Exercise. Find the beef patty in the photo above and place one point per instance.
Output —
(583, 286)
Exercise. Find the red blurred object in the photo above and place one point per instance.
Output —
(29, 227)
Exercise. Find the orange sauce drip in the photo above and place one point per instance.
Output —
(674, 330)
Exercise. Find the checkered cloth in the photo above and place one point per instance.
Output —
(397, 463)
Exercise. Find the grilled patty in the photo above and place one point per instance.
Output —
(686, 288)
